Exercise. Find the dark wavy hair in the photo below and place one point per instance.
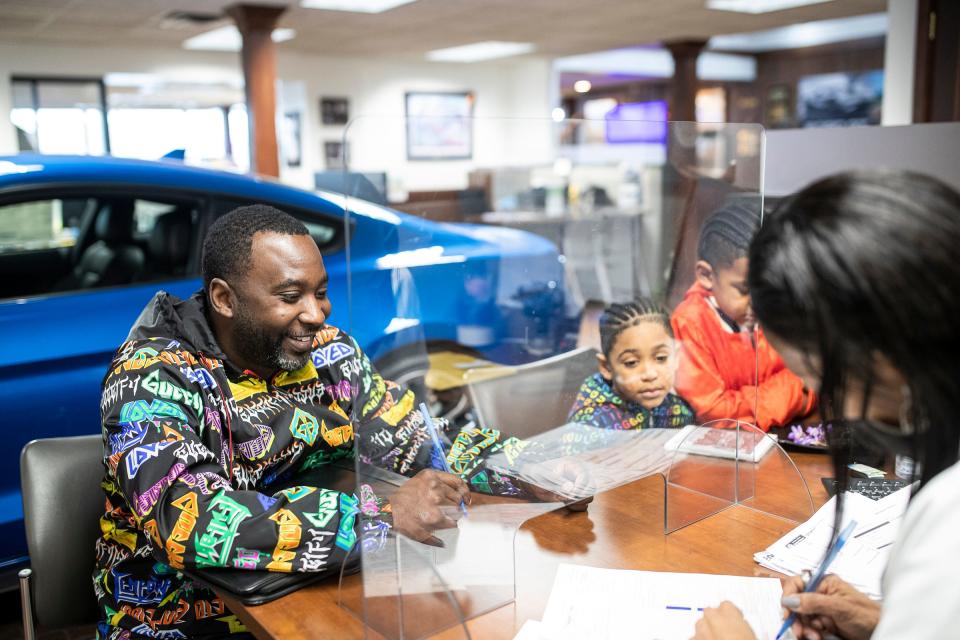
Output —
(863, 264)
(226, 248)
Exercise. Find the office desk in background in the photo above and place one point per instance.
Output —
(622, 529)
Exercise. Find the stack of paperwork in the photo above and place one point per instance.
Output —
(862, 559)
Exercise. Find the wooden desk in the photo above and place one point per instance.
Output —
(623, 529)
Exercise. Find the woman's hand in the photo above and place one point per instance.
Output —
(834, 608)
(724, 622)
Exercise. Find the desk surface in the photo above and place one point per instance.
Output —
(623, 529)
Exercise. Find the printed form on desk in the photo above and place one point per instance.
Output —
(587, 602)
(862, 559)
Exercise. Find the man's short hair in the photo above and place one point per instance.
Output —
(727, 233)
(226, 249)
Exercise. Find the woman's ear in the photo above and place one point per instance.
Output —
(604, 366)
(705, 275)
(222, 299)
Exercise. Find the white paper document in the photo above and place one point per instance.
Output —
(531, 630)
(863, 558)
(588, 602)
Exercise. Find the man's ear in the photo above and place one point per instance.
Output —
(705, 276)
(223, 301)
(604, 366)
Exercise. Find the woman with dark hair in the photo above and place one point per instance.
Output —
(856, 281)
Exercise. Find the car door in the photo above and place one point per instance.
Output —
(60, 328)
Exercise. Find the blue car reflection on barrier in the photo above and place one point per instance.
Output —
(85, 242)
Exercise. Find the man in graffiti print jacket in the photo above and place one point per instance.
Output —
(214, 399)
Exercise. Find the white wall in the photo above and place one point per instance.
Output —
(797, 157)
(375, 87)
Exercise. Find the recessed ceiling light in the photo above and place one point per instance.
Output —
(582, 86)
(478, 51)
(355, 6)
(759, 6)
(228, 39)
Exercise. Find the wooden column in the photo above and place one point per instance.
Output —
(256, 24)
(680, 214)
(683, 88)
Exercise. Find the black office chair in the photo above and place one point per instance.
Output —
(529, 399)
(62, 501)
(114, 258)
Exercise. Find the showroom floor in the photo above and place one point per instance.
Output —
(11, 627)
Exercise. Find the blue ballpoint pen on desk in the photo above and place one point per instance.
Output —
(814, 581)
(437, 446)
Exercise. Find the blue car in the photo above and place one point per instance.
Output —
(85, 242)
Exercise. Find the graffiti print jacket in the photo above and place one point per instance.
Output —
(193, 445)
(598, 405)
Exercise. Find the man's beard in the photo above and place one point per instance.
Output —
(257, 345)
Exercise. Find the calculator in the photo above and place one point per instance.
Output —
(873, 488)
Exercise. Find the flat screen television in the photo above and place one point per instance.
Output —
(637, 122)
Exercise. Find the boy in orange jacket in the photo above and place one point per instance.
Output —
(727, 369)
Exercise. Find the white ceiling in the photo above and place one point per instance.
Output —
(555, 27)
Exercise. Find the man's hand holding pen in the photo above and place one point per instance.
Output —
(420, 505)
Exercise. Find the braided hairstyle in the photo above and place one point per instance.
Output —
(727, 233)
(619, 317)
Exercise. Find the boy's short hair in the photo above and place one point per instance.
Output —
(726, 235)
(619, 317)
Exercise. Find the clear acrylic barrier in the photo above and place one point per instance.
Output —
(477, 288)
(724, 463)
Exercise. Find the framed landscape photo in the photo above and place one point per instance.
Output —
(439, 125)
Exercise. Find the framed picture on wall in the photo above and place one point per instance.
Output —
(840, 99)
(779, 107)
(333, 154)
(290, 139)
(439, 125)
(334, 110)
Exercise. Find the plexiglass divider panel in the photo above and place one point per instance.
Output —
(481, 254)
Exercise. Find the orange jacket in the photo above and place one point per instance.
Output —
(722, 375)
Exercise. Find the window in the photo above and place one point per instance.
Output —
(41, 225)
(63, 115)
(51, 245)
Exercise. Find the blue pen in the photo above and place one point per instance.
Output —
(437, 447)
(818, 576)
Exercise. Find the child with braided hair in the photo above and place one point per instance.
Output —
(634, 386)
(727, 369)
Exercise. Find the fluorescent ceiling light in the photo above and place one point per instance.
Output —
(807, 34)
(228, 39)
(478, 51)
(658, 63)
(727, 67)
(759, 6)
(637, 61)
(355, 6)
